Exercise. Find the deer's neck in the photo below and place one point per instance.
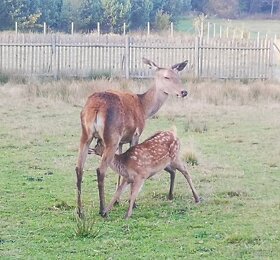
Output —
(152, 101)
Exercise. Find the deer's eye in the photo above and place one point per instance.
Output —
(166, 77)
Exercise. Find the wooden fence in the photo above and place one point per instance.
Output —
(92, 55)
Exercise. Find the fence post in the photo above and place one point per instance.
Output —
(171, 29)
(271, 59)
(55, 58)
(16, 27)
(196, 57)
(98, 29)
(72, 28)
(127, 57)
(202, 29)
(214, 30)
(124, 29)
(45, 28)
(148, 28)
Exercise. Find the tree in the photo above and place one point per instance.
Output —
(5, 17)
(68, 14)
(140, 13)
(25, 12)
(162, 21)
(170, 7)
(269, 6)
(199, 5)
(90, 14)
(223, 8)
(115, 14)
(51, 13)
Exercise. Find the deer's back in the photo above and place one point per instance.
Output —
(117, 112)
(154, 154)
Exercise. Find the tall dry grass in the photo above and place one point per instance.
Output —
(235, 93)
(204, 93)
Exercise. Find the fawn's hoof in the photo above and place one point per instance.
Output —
(198, 200)
(117, 203)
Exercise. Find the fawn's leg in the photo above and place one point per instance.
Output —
(135, 189)
(182, 168)
(116, 196)
(172, 180)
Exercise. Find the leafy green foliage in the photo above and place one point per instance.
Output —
(162, 21)
(5, 17)
(90, 13)
(3, 78)
(140, 13)
(58, 14)
(115, 14)
(223, 8)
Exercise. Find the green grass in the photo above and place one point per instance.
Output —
(263, 26)
(237, 176)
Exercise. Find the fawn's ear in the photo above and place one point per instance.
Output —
(180, 66)
(150, 63)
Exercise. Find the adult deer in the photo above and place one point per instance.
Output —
(117, 118)
(140, 162)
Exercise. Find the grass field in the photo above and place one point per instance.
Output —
(252, 26)
(233, 132)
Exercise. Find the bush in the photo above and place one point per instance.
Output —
(3, 78)
(162, 21)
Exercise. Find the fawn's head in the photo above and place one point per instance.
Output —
(99, 148)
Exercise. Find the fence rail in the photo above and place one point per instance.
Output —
(91, 55)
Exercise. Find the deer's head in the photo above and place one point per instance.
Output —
(167, 79)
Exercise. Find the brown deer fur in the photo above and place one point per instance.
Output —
(117, 118)
(142, 161)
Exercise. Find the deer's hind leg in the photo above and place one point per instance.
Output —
(111, 143)
(85, 141)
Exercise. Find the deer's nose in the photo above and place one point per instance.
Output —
(184, 93)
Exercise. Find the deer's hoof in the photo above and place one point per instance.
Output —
(104, 214)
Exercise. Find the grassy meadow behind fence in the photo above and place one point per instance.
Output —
(230, 136)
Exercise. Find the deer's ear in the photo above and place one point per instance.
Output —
(180, 66)
(150, 63)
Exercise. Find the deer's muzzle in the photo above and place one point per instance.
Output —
(184, 93)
